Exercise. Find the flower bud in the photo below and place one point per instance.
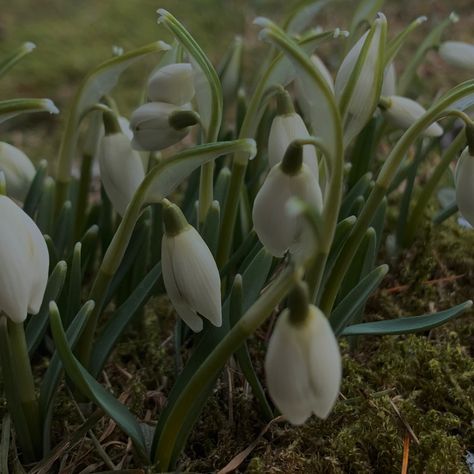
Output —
(121, 169)
(18, 169)
(457, 53)
(284, 129)
(402, 112)
(389, 85)
(158, 125)
(464, 180)
(25, 262)
(278, 229)
(190, 272)
(359, 79)
(172, 84)
(303, 366)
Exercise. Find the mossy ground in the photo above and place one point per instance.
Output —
(414, 391)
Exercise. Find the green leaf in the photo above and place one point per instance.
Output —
(407, 324)
(74, 290)
(89, 387)
(11, 59)
(360, 188)
(253, 278)
(446, 213)
(303, 15)
(50, 380)
(208, 86)
(12, 107)
(5, 444)
(119, 321)
(349, 307)
(168, 174)
(89, 242)
(63, 230)
(96, 84)
(210, 231)
(38, 323)
(45, 219)
(36, 188)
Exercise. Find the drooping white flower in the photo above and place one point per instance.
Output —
(303, 366)
(173, 84)
(24, 262)
(121, 170)
(402, 112)
(464, 179)
(18, 169)
(285, 129)
(458, 53)
(358, 86)
(278, 229)
(158, 125)
(190, 272)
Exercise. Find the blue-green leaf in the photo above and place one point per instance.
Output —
(12, 107)
(89, 387)
(407, 324)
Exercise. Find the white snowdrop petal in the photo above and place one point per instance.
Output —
(274, 226)
(172, 84)
(121, 170)
(285, 129)
(18, 169)
(25, 262)
(177, 299)
(458, 53)
(324, 363)
(197, 275)
(151, 129)
(403, 112)
(464, 178)
(286, 373)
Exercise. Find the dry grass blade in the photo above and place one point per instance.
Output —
(240, 458)
(406, 453)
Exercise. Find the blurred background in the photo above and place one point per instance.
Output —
(73, 36)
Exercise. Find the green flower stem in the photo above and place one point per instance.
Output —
(19, 388)
(430, 186)
(206, 192)
(382, 184)
(84, 185)
(245, 327)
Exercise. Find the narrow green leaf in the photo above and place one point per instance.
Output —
(91, 388)
(36, 188)
(50, 380)
(407, 324)
(210, 232)
(119, 321)
(349, 307)
(360, 188)
(45, 219)
(63, 231)
(74, 290)
(5, 444)
(38, 323)
(12, 107)
(89, 243)
(446, 213)
(303, 15)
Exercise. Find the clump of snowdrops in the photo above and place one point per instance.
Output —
(237, 201)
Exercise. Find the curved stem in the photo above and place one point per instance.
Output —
(245, 327)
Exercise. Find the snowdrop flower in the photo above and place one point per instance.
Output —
(303, 364)
(172, 84)
(464, 180)
(18, 169)
(457, 53)
(402, 112)
(158, 125)
(278, 229)
(190, 273)
(121, 168)
(25, 262)
(286, 127)
(357, 88)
